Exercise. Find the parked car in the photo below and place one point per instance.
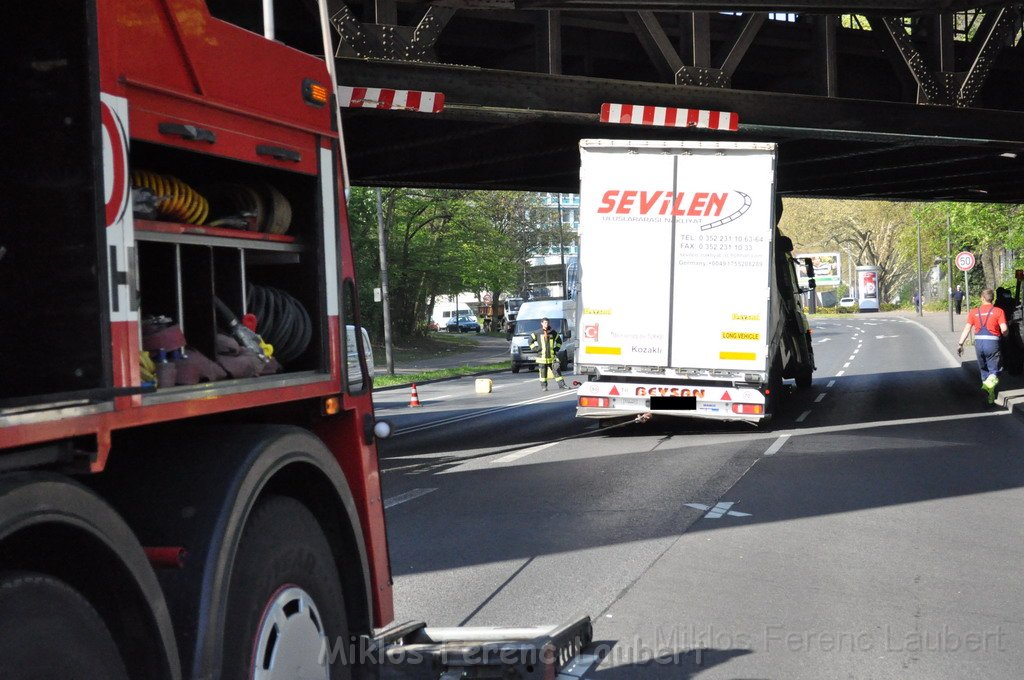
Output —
(462, 324)
(847, 302)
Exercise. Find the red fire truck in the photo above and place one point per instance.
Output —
(189, 484)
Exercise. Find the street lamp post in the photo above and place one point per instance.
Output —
(920, 286)
(382, 241)
(949, 268)
(561, 247)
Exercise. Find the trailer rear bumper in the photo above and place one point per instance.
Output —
(601, 399)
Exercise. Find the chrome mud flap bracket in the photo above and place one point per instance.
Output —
(413, 651)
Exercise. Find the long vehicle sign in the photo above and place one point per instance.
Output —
(675, 255)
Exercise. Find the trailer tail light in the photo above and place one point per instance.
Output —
(595, 402)
(748, 409)
(314, 93)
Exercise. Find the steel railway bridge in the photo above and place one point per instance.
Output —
(890, 99)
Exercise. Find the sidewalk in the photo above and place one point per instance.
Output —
(1011, 387)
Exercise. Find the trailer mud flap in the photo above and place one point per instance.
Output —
(412, 651)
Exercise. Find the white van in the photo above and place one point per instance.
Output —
(562, 316)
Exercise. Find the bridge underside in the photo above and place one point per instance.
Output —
(919, 106)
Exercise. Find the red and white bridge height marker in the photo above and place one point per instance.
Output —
(667, 116)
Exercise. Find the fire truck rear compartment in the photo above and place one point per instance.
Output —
(180, 274)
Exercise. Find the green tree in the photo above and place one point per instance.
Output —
(876, 233)
(994, 232)
(440, 242)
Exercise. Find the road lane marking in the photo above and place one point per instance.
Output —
(777, 444)
(719, 510)
(524, 453)
(886, 337)
(846, 427)
(407, 496)
(856, 350)
(803, 416)
(823, 340)
(819, 397)
(840, 373)
(830, 384)
(846, 365)
(852, 357)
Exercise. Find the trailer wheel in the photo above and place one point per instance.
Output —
(285, 603)
(48, 631)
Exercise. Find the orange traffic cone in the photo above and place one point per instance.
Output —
(415, 400)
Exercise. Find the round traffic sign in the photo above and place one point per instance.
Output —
(965, 261)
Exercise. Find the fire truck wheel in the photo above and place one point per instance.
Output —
(285, 604)
(48, 631)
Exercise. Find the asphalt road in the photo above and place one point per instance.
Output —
(872, 532)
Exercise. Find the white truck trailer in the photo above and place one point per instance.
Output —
(688, 299)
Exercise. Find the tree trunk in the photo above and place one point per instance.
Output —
(990, 267)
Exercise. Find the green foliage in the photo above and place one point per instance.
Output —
(870, 232)
(989, 230)
(440, 242)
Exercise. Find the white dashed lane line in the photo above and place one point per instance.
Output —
(777, 444)
(803, 416)
(407, 496)
(524, 453)
(819, 397)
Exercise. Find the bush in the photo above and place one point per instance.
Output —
(832, 311)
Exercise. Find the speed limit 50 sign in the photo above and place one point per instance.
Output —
(965, 261)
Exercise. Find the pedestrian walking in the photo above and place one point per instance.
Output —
(547, 342)
(917, 301)
(958, 299)
(988, 323)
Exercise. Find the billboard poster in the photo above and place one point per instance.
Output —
(827, 267)
(867, 287)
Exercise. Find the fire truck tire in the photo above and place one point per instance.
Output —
(285, 599)
(48, 631)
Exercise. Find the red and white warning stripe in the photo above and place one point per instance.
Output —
(667, 116)
(395, 100)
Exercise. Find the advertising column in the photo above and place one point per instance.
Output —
(867, 288)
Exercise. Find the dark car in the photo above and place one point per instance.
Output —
(462, 324)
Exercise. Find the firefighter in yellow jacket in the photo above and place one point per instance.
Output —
(547, 343)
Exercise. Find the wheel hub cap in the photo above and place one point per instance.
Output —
(290, 640)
